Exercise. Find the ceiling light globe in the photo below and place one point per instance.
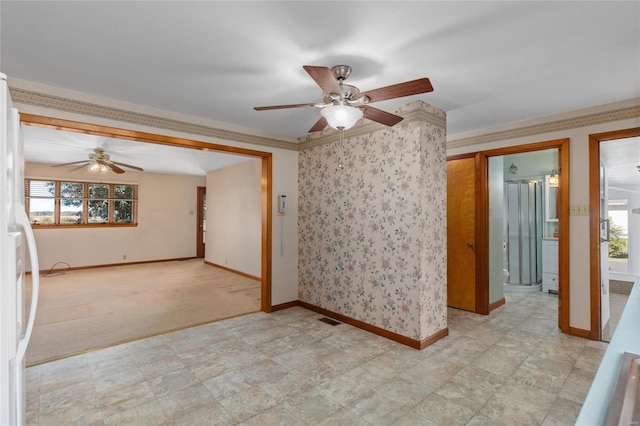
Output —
(341, 116)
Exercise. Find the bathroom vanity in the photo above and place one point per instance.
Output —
(550, 265)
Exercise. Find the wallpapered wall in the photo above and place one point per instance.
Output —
(372, 233)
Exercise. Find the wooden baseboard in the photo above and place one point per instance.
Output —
(434, 338)
(579, 332)
(108, 265)
(416, 344)
(286, 305)
(496, 304)
(253, 277)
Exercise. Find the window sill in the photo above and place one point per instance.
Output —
(83, 225)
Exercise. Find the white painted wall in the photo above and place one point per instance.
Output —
(531, 165)
(284, 276)
(496, 228)
(234, 217)
(634, 242)
(166, 222)
(579, 315)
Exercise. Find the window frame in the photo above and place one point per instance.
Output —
(57, 197)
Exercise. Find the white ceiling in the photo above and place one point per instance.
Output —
(49, 146)
(622, 160)
(490, 63)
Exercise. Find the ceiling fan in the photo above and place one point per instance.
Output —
(99, 162)
(343, 104)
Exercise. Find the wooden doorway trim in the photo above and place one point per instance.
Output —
(200, 220)
(594, 221)
(562, 145)
(132, 135)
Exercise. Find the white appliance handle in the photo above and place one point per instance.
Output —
(23, 220)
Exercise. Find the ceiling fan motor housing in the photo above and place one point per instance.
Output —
(341, 72)
(350, 96)
(99, 155)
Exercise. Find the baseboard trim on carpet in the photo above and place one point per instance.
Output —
(286, 305)
(108, 265)
(253, 277)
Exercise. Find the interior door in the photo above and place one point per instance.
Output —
(201, 221)
(461, 231)
(604, 252)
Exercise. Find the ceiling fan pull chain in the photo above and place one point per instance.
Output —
(340, 148)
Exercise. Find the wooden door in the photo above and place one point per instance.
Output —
(461, 232)
(201, 220)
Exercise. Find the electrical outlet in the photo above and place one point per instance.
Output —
(124, 257)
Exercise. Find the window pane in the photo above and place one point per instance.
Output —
(98, 211)
(41, 211)
(71, 194)
(618, 235)
(123, 191)
(41, 202)
(123, 211)
(98, 190)
(42, 188)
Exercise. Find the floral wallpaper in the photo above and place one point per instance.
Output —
(372, 224)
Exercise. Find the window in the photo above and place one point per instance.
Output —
(618, 235)
(68, 203)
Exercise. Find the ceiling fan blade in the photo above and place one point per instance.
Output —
(265, 108)
(324, 78)
(140, 169)
(320, 125)
(80, 167)
(69, 164)
(380, 116)
(114, 168)
(408, 88)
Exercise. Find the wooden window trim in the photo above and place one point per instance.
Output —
(85, 205)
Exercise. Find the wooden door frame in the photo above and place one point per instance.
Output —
(594, 220)
(482, 223)
(200, 200)
(132, 135)
(481, 234)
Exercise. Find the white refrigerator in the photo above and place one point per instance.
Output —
(16, 242)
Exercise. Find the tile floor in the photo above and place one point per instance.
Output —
(511, 367)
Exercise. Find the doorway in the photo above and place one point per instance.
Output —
(614, 196)
(201, 220)
(135, 136)
(501, 168)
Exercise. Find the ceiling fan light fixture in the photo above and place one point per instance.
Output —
(98, 168)
(341, 116)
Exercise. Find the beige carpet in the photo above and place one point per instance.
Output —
(88, 309)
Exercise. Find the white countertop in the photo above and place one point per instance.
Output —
(626, 338)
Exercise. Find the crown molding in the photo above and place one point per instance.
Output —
(559, 122)
(65, 104)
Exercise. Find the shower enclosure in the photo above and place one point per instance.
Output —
(523, 235)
